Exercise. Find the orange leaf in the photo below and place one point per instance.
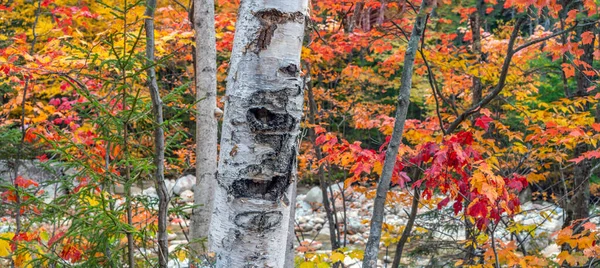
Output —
(587, 37)
(572, 15)
(568, 70)
(22, 182)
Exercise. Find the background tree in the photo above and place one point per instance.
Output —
(205, 72)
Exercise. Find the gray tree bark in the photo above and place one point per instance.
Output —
(323, 184)
(159, 138)
(205, 67)
(257, 165)
(372, 247)
(578, 207)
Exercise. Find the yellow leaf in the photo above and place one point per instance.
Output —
(336, 256)
(180, 255)
(585, 242)
(377, 167)
(92, 201)
(323, 265)
(23, 259)
(356, 254)
(307, 264)
(533, 177)
(44, 235)
(347, 159)
(5, 239)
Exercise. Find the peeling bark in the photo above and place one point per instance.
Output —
(257, 165)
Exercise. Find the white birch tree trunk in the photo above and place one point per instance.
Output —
(203, 20)
(263, 109)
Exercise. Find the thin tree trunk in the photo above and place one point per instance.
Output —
(257, 165)
(381, 15)
(312, 108)
(205, 66)
(372, 247)
(578, 207)
(476, 20)
(128, 181)
(477, 91)
(366, 19)
(159, 138)
(408, 228)
(290, 253)
(355, 20)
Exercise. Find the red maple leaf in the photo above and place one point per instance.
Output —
(478, 209)
(483, 122)
(71, 252)
(22, 182)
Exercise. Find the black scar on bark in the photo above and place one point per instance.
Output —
(271, 189)
(258, 220)
(250, 170)
(276, 162)
(261, 119)
(276, 99)
(290, 70)
(274, 141)
(269, 19)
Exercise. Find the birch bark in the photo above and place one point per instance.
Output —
(263, 108)
(205, 66)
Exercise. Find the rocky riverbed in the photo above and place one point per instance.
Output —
(541, 220)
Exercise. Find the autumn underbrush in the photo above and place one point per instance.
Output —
(82, 224)
(532, 237)
(76, 142)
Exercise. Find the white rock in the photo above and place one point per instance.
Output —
(306, 227)
(340, 216)
(188, 210)
(119, 188)
(352, 262)
(169, 185)
(314, 197)
(5, 228)
(187, 196)
(135, 191)
(318, 220)
(302, 219)
(551, 251)
(52, 192)
(337, 187)
(184, 183)
(175, 263)
(303, 208)
(171, 236)
(355, 226)
(150, 192)
(387, 259)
